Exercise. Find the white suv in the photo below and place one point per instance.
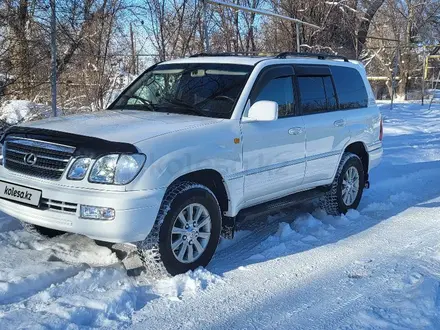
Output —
(193, 145)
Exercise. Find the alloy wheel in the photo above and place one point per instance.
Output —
(350, 186)
(190, 233)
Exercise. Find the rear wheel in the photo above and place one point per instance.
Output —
(186, 232)
(347, 188)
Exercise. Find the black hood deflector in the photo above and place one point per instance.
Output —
(86, 146)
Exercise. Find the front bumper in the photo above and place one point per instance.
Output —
(135, 211)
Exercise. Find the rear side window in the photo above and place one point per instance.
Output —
(330, 94)
(349, 87)
(279, 90)
(317, 94)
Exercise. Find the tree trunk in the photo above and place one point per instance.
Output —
(405, 58)
(20, 56)
(364, 26)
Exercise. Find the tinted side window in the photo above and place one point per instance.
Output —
(350, 88)
(279, 90)
(312, 93)
(330, 94)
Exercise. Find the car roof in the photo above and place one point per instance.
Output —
(253, 60)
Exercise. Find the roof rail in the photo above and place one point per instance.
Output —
(317, 55)
(250, 53)
(282, 55)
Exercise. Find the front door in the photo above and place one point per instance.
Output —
(274, 152)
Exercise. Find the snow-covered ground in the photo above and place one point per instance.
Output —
(16, 111)
(376, 268)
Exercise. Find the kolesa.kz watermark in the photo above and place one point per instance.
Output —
(17, 193)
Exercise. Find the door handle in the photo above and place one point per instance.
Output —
(339, 123)
(295, 130)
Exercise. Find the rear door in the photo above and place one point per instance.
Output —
(326, 126)
(273, 152)
(361, 112)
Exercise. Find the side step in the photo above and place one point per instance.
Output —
(279, 204)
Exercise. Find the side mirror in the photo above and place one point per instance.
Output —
(263, 111)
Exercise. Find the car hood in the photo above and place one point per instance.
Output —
(128, 126)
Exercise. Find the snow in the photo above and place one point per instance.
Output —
(16, 111)
(177, 287)
(374, 268)
(226, 243)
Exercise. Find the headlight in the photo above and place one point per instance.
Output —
(104, 169)
(79, 169)
(116, 169)
(128, 167)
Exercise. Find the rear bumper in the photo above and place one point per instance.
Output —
(135, 211)
(375, 155)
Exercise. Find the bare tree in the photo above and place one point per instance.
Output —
(411, 22)
(100, 41)
(171, 26)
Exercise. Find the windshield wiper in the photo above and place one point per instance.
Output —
(186, 106)
(144, 103)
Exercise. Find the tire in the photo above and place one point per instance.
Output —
(43, 231)
(161, 252)
(335, 202)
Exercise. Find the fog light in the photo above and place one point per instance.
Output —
(97, 213)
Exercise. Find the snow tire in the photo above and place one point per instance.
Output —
(332, 202)
(155, 251)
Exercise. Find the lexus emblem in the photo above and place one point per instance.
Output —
(30, 159)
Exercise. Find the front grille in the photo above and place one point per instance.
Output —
(51, 159)
(52, 204)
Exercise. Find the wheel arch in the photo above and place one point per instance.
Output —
(359, 149)
(213, 180)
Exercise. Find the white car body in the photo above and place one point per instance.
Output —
(258, 161)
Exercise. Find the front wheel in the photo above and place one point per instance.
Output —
(346, 190)
(186, 232)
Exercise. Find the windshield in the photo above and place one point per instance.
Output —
(202, 89)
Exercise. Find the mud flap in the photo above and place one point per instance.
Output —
(228, 227)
